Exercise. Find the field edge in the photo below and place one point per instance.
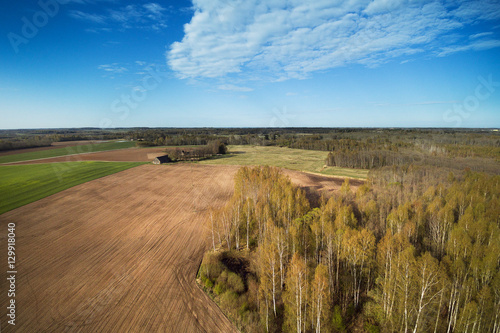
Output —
(25, 184)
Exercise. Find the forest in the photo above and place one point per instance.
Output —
(196, 153)
(414, 249)
(364, 148)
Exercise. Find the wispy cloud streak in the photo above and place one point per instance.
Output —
(149, 15)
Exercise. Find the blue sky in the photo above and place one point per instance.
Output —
(250, 63)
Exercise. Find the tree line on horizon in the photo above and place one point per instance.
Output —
(458, 149)
(453, 142)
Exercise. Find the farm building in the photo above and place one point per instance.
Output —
(162, 159)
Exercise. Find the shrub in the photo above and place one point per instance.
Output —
(370, 328)
(144, 144)
(253, 291)
(205, 281)
(244, 308)
(229, 300)
(222, 279)
(373, 311)
(251, 322)
(208, 283)
(217, 147)
(211, 266)
(253, 243)
(219, 289)
(235, 283)
(337, 320)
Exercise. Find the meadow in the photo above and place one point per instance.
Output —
(22, 184)
(81, 149)
(294, 159)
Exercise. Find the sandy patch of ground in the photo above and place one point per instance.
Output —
(315, 184)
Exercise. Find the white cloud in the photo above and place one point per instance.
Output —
(113, 68)
(481, 35)
(415, 103)
(74, 1)
(98, 30)
(232, 87)
(147, 16)
(154, 8)
(474, 11)
(87, 17)
(139, 89)
(476, 46)
(85, 1)
(132, 69)
(281, 39)
(378, 6)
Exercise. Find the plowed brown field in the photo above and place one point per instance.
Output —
(119, 155)
(120, 253)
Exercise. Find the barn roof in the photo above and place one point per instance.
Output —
(163, 159)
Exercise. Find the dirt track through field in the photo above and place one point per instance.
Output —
(118, 254)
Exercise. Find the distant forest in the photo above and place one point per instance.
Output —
(476, 149)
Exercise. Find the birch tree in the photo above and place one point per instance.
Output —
(319, 298)
(428, 284)
(269, 267)
(295, 296)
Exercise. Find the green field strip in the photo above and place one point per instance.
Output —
(23, 184)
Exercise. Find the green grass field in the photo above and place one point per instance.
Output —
(91, 148)
(22, 184)
(295, 159)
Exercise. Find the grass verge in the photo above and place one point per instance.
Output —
(80, 149)
(294, 159)
(22, 184)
